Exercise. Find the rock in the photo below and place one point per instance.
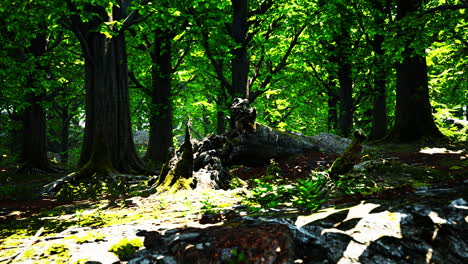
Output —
(370, 232)
(141, 137)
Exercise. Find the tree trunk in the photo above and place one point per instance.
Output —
(34, 143)
(413, 116)
(160, 140)
(332, 102)
(379, 111)
(240, 62)
(64, 137)
(221, 122)
(108, 142)
(346, 82)
(346, 97)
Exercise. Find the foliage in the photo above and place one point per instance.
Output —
(237, 257)
(445, 120)
(309, 194)
(268, 195)
(351, 185)
(125, 247)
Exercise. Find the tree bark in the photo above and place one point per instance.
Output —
(108, 142)
(413, 115)
(160, 139)
(34, 143)
(64, 137)
(240, 62)
(345, 80)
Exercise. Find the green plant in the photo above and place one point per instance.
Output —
(309, 194)
(125, 247)
(268, 195)
(237, 257)
(350, 186)
(209, 207)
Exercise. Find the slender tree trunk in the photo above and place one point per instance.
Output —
(379, 111)
(240, 62)
(64, 136)
(332, 102)
(332, 118)
(345, 80)
(108, 142)
(160, 140)
(221, 122)
(413, 115)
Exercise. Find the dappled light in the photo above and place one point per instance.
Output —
(233, 131)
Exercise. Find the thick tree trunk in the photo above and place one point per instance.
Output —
(34, 142)
(160, 140)
(240, 62)
(379, 111)
(413, 116)
(108, 142)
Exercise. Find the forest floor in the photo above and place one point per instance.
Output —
(72, 231)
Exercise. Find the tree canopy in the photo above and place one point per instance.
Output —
(80, 77)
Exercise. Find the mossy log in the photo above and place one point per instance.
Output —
(266, 143)
(350, 157)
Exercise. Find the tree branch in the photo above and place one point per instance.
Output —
(445, 7)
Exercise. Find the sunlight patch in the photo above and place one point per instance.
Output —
(439, 151)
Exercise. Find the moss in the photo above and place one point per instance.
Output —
(30, 253)
(55, 253)
(350, 156)
(173, 183)
(125, 248)
(56, 249)
(88, 237)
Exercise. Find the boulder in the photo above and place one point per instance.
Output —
(376, 231)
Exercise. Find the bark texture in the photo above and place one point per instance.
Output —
(160, 139)
(414, 120)
(108, 142)
(240, 62)
(346, 82)
(379, 110)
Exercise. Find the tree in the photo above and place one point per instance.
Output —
(29, 41)
(108, 142)
(413, 117)
(375, 36)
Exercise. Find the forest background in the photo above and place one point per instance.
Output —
(79, 76)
